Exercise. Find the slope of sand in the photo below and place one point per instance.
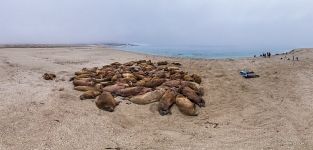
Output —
(274, 111)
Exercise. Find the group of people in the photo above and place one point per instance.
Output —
(267, 54)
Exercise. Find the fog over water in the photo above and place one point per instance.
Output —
(251, 23)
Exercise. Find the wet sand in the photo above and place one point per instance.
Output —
(274, 111)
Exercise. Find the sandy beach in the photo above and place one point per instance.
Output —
(274, 111)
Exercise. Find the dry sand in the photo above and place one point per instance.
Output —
(274, 111)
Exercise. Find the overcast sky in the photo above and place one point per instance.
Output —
(159, 22)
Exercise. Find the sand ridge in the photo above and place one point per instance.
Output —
(271, 112)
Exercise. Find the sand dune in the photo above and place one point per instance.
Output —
(274, 111)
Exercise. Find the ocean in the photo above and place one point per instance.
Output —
(207, 52)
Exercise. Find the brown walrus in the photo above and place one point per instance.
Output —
(90, 95)
(101, 79)
(192, 95)
(49, 76)
(196, 78)
(129, 81)
(143, 82)
(84, 88)
(116, 64)
(106, 102)
(82, 72)
(128, 75)
(141, 61)
(115, 87)
(86, 71)
(131, 91)
(93, 69)
(148, 98)
(148, 68)
(160, 74)
(154, 82)
(172, 83)
(160, 63)
(83, 83)
(176, 63)
(166, 102)
(177, 76)
(129, 63)
(84, 76)
(186, 106)
(194, 86)
(116, 77)
(188, 78)
(139, 76)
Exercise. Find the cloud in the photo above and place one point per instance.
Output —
(162, 22)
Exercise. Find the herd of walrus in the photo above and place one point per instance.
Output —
(141, 82)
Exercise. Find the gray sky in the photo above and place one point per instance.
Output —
(162, 22)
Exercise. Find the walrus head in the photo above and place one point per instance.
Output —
(108, 108)
(201, 103)
(164, 112)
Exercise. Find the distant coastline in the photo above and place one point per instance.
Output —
(195, 52)
(203, 52)
(64, 45)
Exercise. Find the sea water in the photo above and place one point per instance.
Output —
(208, 52)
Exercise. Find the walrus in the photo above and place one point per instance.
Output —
(84, 88)
(104, 84)
(129, 81)
(131, 91)
(128, 75)
(192, 95)
(162, 87)
(81, 72)
(86, 71)
(154, 82)
(141, 61)
(160, 63)
(160, 74)
(49, 76)
(173, 68)
(186, 106)
(138, 76)
(116, 64)
(166, 102)
(129, 63)
(149, 62)
(116, 77)
(143, 81)
(172, 83)
(101, 79)
(188, 78)
(149, 67)
(115, 87)
(89, 95)
(84, 76)
(196, 78)
(176, 63)
(83, 83)
(148, 98)
(106, 102)
(84, 79)
(194, 86)
(93, 69)
(176, 76)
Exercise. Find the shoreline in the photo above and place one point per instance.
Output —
(273, 111)
(4, 46)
